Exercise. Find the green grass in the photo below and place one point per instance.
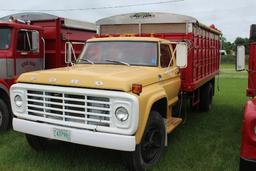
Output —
(207, 141)
(226, 59)
(228, 71)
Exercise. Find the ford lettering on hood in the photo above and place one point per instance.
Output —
(117, 77)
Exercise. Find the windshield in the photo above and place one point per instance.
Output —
(120, 52)
(5, 38)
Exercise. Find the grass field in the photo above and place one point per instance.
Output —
(207, 141)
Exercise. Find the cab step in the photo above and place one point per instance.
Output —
(172, 123)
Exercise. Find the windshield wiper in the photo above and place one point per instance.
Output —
(119, 62)
(86, 60)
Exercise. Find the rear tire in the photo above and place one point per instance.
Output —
(5, 116)
(37, 143)
(148, 152)
(206, 94)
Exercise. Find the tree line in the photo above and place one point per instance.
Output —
(230, 47)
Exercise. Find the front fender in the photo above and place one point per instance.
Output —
(147, 98)
(4, 86)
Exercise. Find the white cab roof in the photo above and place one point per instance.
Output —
(145, 17)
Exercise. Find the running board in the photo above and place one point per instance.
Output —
(172, 123)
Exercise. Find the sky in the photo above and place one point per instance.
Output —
(232, 17)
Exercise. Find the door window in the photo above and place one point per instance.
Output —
(28, 41)
(5, 38)
(165, 55)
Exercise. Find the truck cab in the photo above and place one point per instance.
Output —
(118, 95)
(21, 50)
(121, 92)
(35, 41)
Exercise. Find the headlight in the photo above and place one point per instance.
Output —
(122, 114)
(18, 101)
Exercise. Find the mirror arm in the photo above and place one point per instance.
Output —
(69, 50)
(169, 65)
(43, 52)
(29, 43)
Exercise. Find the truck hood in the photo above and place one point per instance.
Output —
(114, 77)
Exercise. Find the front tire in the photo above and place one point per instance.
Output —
(5, 116)
(148, 152)
(206, 94)
(37, 143)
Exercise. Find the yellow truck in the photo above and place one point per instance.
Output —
(119, 94)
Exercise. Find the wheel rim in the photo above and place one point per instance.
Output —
(151, 145)
(1, 117)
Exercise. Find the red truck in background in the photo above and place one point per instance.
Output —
(248, 144)
(35, 41)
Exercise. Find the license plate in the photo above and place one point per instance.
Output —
(62, 134)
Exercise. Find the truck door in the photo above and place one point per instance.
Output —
(28, 54)
(6, 56)
(170, 73)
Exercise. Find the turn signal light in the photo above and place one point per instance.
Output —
(136, 88)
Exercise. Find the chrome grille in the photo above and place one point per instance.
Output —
(69, 108)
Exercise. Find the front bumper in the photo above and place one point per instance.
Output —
(247, 164)
(77, 136)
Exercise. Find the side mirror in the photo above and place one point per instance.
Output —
(240, 58)
(68, 52)
(35, 41)
(181, 55)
